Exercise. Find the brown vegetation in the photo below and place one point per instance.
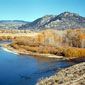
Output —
(68, 43)
(69, 52)
(74, 75)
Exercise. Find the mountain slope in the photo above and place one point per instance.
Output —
(38, 23)
(64, 20)
(11, 24)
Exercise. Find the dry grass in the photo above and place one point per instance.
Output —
(67, 43)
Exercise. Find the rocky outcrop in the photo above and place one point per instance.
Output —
(74, 75)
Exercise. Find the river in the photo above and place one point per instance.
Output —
(26, 70)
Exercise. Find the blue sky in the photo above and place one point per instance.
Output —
(30, 10)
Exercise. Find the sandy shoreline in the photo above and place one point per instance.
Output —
(5, 49)
(24, 52)
(34, 54)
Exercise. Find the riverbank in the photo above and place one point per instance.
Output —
(24, 52)
(74, 75)
(5, 49)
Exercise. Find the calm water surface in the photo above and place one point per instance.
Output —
(26, 70)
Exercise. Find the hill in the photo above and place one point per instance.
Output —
(11, 24)
(64, 20)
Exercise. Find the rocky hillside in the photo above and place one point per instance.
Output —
(62, 21)
(11, 24)
(74, 75)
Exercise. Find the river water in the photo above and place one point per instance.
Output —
(26, 70)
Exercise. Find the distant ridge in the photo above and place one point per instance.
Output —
(11, 24)
(64, 20)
